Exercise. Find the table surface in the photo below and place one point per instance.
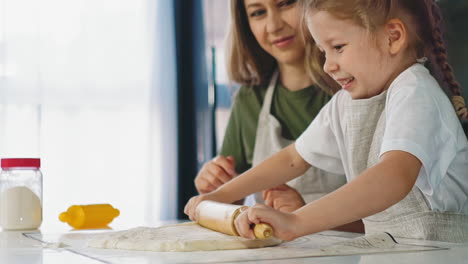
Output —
(18, 248)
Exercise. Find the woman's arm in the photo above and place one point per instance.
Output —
(279, 168)
(373, 191)
(215, 173)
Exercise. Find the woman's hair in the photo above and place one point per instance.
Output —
(423, 20)
(249, 64)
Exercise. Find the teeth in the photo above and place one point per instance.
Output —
(345, 82)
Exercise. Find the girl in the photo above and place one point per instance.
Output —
(275, 104)
(391, 129)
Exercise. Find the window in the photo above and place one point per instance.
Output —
(216, 27)
(78, 88)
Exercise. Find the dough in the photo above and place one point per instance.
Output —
(179, 237)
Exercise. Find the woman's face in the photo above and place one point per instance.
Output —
(275, 25)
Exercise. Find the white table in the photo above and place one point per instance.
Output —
(16, 248)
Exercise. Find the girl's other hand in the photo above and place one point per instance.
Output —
(215, 173)
(283, 198)
(283, 224)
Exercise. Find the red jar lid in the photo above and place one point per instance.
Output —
(21, 163)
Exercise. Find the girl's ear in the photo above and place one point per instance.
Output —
(397, 35)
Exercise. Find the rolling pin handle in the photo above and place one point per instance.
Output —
(263, 231)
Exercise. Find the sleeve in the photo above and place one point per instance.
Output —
(416, 122)
(318, 145)
(232, 142)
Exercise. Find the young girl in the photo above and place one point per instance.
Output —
(274, 105)
(391, 129)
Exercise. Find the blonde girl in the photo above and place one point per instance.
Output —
(391, 129)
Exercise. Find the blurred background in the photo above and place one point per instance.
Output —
(124, 100)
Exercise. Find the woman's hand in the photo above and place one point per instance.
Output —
(284, 224)
(215, 173)
(283, 198)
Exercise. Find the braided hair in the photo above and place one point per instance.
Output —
(440, 58)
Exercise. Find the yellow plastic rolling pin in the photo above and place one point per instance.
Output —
(220, 217)
(91, 216)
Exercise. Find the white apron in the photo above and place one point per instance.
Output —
(412, 216)
(314, 183)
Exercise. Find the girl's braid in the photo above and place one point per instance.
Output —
(440, 53)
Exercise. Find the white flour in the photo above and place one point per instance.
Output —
(179, 237)
(20, 208)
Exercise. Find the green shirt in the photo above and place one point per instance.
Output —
(293, 109)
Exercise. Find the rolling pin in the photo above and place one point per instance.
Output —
(220, 217)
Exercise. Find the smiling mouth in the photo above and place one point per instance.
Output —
(283, 42)
(346, 82)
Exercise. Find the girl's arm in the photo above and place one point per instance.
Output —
(376, 189)
(279, 168)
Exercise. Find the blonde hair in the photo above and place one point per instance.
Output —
(421, 17)
(314, 59)
(249, 64)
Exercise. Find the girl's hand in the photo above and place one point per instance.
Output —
(283, 198)
(215, 173)
(284, 224)
(193, 203)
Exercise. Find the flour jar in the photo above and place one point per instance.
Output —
(20, 194)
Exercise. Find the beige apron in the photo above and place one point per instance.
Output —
(411, 217)
(314, 183)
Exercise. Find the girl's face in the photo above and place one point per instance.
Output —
(353, 59)
(275, 25)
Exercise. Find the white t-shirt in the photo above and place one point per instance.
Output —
(420, 120)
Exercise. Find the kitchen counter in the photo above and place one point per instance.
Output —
(38, 247)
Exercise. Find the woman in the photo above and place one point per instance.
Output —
(275, 104)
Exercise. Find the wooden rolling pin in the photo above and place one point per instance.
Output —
(220, 217)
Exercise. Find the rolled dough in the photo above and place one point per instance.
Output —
(179, 237)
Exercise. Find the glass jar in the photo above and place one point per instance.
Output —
(20, 194)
